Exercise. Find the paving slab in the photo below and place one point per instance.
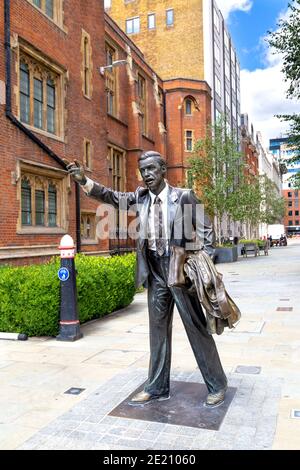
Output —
(111, 361)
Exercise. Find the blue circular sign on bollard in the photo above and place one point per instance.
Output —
(63, 274)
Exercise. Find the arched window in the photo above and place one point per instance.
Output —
(39, 89)
(51, 106)
(188, 108)
(88, 227)
(86, 67)
(39, 202)
(24, 93)
(52, 205)
(26, 202)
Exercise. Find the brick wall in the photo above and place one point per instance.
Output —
(291, 196)
(185, 37)
(177, 91)
(84, 118)
(125, 129)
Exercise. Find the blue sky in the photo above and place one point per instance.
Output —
(263, 89)
(248, 27)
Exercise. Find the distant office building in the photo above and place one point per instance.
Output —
(281, 151)
(268, 166)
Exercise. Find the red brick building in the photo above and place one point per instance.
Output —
(292, 214)
(188, 111)
(54, 104)
(248, 147)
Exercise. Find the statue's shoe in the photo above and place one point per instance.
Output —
(215, 399)
(143, 397)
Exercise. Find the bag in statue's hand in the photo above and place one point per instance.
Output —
(176, 272)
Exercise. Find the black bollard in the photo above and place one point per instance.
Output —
(69, 327)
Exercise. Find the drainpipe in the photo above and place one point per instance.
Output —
(17, 123)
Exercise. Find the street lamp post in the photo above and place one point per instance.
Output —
(115, 63)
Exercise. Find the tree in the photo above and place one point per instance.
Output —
(247, 202)
(217, 171)
(286, 40)
(273, 205)
(216, 168)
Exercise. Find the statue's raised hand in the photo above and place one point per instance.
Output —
(76, 170)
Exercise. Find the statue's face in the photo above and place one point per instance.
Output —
(153, 174)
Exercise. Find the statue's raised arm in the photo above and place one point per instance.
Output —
(76, 171)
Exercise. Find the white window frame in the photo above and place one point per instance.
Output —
(188, 138)
(151, 16)
(135, 23)
(169, 10)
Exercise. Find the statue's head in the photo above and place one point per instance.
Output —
(153, 169)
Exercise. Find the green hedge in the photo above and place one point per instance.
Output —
(259, 243)
(30, 295)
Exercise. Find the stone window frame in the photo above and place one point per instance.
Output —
(58, 14)
(88, 151)
(88, 221)
(189, 138)
(41, 67)
(119, 173)
(40, 176)
(111, 81)
(86, 65)
(142, 100)
(188, 99)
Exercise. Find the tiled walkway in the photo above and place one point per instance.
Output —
(261, 358)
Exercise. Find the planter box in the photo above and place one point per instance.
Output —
(226, 255)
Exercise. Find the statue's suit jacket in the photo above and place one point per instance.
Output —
(192, 228)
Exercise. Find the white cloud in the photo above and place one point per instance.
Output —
(263, 95)
(227, 6)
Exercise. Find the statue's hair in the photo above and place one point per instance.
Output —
(153, 154)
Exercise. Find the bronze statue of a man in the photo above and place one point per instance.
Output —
(159, 205)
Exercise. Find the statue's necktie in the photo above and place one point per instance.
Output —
(160, 234)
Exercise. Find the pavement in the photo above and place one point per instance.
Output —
(261, 358)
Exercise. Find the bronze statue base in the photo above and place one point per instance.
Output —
(186, 407)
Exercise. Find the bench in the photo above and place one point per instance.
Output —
(250, 248)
